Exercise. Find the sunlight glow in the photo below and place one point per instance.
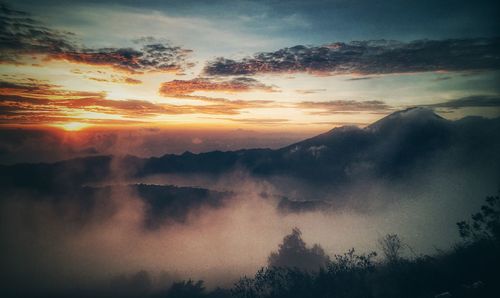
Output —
(72, 126)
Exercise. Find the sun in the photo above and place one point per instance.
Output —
(72, 126)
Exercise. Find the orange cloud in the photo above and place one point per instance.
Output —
(185, 87)
(103, 76)
(35, 102)
(35, 89)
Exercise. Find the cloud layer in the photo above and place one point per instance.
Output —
(368, 58)
(36, 102)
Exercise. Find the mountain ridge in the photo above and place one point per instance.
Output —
(387, 148)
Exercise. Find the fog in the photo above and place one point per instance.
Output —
(53, 245)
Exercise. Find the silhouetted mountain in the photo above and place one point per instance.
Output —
(390, 148)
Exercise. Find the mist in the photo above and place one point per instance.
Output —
(54, 244)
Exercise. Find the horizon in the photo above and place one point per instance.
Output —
(191, 140)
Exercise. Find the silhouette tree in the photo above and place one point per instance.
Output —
(187, 289)
(392, 247)
(293, 253)
(485, 224)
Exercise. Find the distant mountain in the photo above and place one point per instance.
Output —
(390, 149)
(387, 148)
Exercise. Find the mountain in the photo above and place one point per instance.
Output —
(320, 173)
(388, 149)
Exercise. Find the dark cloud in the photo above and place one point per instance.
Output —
(343, 106)
(485, 101)
(21, 35)
(369, 58)
(359, 79)
(153, 57)
(446, 78)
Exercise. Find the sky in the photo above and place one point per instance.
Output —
(265, 66)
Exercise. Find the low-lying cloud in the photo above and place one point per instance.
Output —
(57, 245)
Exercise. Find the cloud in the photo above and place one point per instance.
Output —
(241, 84)
(368, 58)
(102, 76)
(151, 57)
(485, 101)
(121, 80)
(185, 89)
(341, 123)
(261, 121)
(37, 89)
(344, 106)
(36, 102)
(359, 79)
(21, 35)
(309, 91)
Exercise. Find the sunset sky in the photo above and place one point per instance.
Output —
(260, 65)
(155, 146)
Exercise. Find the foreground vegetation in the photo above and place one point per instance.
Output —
(470, 269)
